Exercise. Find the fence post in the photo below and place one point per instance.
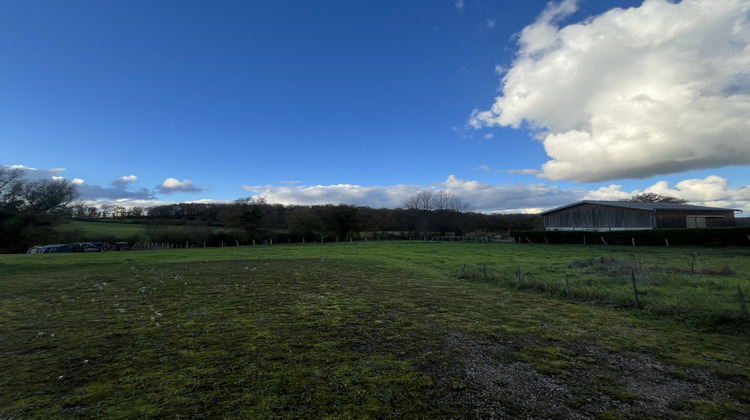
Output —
(635, 289)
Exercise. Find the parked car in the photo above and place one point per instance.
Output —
(37, 249)
(68, 248)
(91, 247)
(42, 249)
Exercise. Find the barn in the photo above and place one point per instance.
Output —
(623, 215)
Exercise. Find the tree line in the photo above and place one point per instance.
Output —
(31, 210)
(427, 214)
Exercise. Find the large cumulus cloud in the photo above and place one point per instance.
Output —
(632, 93)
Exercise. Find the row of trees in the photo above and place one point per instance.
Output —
(428, 213)
(30, 210)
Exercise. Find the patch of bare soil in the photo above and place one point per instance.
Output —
(500, 380)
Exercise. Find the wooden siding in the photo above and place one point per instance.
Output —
(600, 217)
(590, 216)
(678, 219)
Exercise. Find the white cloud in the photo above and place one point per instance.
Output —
(482, 197)
(489, 136)
(35, 174)
(524, 171)
(173, 185)
(459, 5)
(661, 88)
(491, 198)
(490, 23)
(124, 181)
(371, 196)
(97, 193)
(710, 191)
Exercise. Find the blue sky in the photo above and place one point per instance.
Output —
(514, 106)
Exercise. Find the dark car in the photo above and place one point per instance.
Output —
(68, 248)
(38, 249)
(91, 247)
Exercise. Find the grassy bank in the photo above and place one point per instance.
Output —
(375, 330)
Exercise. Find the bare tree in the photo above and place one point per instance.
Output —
(11, 185)
(29, 210)
(433, 209)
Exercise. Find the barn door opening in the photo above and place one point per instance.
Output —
(695, 221)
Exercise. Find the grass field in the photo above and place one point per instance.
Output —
(378, 330)
(96, 231)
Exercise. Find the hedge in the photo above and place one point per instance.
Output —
(649, 237)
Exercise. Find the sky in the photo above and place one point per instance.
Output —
(513, 105)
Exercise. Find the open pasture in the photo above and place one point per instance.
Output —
(381, 330)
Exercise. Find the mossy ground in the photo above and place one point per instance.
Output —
(378, 330)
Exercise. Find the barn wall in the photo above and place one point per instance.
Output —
(677, 219)
(595, 217)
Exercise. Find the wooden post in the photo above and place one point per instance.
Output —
(237, 242)
(635, 289)
(633, 241)
(605, 242)
(253, 242)
(666, 241)
(518, 273)
(742, 301)
(567, 286)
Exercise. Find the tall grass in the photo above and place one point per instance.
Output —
(696, 287)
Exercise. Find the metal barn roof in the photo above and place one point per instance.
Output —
(642, 206)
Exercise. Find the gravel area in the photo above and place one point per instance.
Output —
(495, 382)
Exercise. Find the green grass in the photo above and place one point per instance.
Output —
(379, 330)
(96, 231)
